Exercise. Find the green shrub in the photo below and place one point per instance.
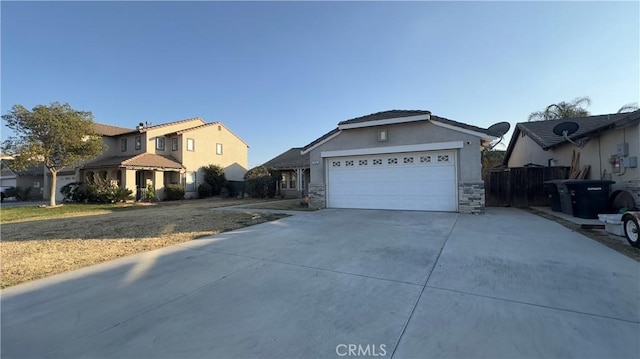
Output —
(214, 176)
(100, 191)
(122, 194)
(174, 192)
(151, 193)
(20, 193)
(204, 190)
(10, 192)
(261, 182)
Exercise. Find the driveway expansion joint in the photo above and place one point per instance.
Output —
(535, 305)
(415, 305)
(310, 267)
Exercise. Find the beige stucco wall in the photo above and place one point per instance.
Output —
(413, 133)
(234, 158)
(526, 151)
(596, 153)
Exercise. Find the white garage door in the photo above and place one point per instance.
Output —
(413, 181)
(61, 181)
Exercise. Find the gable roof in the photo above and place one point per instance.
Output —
(108, 130)
(379, 118)
(385, 115)
(144, 129)
(289, 159)
(143, 160)
(321, 139)
(541, 132)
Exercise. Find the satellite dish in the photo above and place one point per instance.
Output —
(565, 129)
(500, 128)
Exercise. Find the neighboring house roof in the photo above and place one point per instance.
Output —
(108, 130)
(7, 171)
(289, 159)
(379, 118)
(142, 161)
(37, 170)
(144, 129)
(541, 132)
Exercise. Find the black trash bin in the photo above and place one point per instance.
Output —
(554, 195)
(564, 197)
(589, 197)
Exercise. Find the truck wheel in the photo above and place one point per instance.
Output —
(631, 230)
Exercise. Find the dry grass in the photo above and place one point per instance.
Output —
(284, 205)
(39, 248)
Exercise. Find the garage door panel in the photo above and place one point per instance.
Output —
(393, 181)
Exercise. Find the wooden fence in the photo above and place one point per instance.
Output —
(519, 186)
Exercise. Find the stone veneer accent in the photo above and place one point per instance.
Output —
(316, 195)
(471, 197)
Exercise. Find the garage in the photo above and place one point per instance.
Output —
(399, 159)
(403, 181)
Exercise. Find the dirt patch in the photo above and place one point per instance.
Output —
(283, 205)
(36, 249)
(616, 243)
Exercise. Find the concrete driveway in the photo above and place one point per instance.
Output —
(344, 283)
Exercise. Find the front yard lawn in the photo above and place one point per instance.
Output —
(33, 248)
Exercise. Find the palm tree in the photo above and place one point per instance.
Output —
(563, 109)
(630, 107)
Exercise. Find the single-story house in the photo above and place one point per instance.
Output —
(31, 178)
(295, 170)
(609, 144)
(399, 159)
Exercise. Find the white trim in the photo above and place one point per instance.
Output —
(464, 130)
(395, 149)
(388, 121)
(319, 143)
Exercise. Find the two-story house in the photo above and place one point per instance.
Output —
(159, 155)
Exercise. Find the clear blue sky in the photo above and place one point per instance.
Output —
(281, 74)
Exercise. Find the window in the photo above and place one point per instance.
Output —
(392, 161)
(348, 163)
(377, 161)
(174, 144)
(190, 182)
(160, 143)
(288, 181)
(191, 145)
(335, 164)
(425, 159)
(138, 143)
(443, 158)
(123, 145)
(362, 163)
(218, 148)
(407, 160)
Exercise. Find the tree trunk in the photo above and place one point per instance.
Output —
(52, 190)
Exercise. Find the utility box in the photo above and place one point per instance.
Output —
(630, 162)
(623, 149)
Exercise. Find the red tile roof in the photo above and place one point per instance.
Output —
(140, 161)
